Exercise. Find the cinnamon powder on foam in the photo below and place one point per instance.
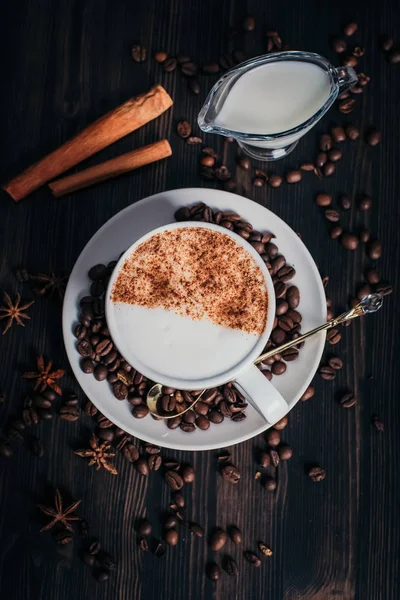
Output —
(196, 273)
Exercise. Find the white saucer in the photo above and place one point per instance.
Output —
(133, 222)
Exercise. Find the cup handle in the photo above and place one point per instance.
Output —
(347, 78)
(261, 394)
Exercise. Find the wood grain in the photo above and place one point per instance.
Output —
(64, 67)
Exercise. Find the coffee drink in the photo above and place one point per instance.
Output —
(191, 302)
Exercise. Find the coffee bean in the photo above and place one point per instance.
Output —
(231, 474)
(84, 349)
(323, 200)
(278, 336)
(335, 154)
(88, 559)
(316, 474)
(142, 466)
(139, 53)
(394, 56)
(258, 182)
(373, 137)
(293, 296)
(97, 272)
(325, 142)
(364, 203)
(281, 307)
(329, 169)
(171, 537)
(187, 473)
(130, 453)
(347, 105)
(159, 550)
(338, 134)
(169, 64)
(210, 68)
(230, 566)
(5, 450)
(338, 45)
(307, 166)
(281, 424)
(174, 480)
(189, 68)
(144, 528)
(182, 214)
(273, 438)
(377, 423)
(372, 276)
(278, 368)
(335, 362)
(384, 288)
(285, 452)
(100, 372)
(350, 29)
(336, 232)
(274, 456)
(120, 390)
(174, 423)
(179, 499)
(252, 558)
(160, 57)
(69, 413)
(235, 534)
(327, 372)
(332, 215)
(290, 354)
(286, 273)
(97, 289)
(184, 129)
(349, 241)
(207, 161)
(248, 23)
(321, 159)
(350, 61)
(80, 331)
(37, 448)
(280, 289)
(265, 460)
(213, 571)
(193, 85)
(374, 249)
(140, 411)
(154, 461)
(293, 176)
(352, 132)
(167, 403)
(196, 529)
(348, 400)
(218, 539)
(345, 202)
(363, 291)
(333, 336)
(275, 181)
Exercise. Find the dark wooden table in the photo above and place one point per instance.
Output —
(66, 63)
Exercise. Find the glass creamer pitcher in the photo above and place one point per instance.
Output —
(268, 103)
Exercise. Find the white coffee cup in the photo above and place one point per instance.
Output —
(129, 329)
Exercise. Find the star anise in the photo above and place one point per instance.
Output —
(44, 377)
(50, 284)
(59, 513)
(98, 454)
(14, 312)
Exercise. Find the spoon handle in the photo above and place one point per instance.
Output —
(360, 309)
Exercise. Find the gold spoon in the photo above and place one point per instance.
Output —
(369, 304)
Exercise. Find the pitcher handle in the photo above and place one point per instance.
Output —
(347, 78)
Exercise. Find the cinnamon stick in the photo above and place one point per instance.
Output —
(108, 129)
(111, 168)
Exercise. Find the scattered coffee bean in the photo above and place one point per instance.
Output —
(154, 461)
(230, 566)
(275, 181)
(169, 65)
(244, 163)
(293, 296)
(159, 550)
(349, 241)
(174, 480)
(325, 142)
(394, 56)
(350, 29)
(336, 232)
(144, 528)
(187, 473)
(293, 176)
(285, 452)
(349, 61)
(189, 68)
(249, 23)
(231, 474)
(273, 438)
(348, 400)
(235, 534)
(373, 137)
(338, 134)
(345, 202)
(377, 423)
(160, 57)
(100, 372)
(335, 362)
(347, 105)
(384, 288)
(281, 424)
(265, 460)
(323, 200)
(184, 129)
(338, 45)
(307, 166)
(210, 68)
(196, 529)
(374, 249)
(364, 203)
(386, 43)
(332, 215)
(171, 537)
(218, 539)
(258, 182)
(194, 140)
(328, 169)
(335, 154)
(333, 336)
(139, 53)
(102, 576)
(309, 393)
(316, 474)
(213, 571)
(352, 132)
(274, 456)
(252, 558)
(193, 86)
(327, 372)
